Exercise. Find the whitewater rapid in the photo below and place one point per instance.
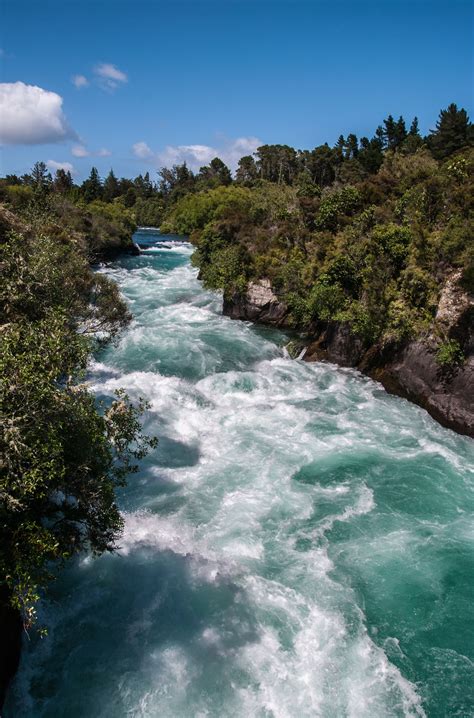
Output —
(298, 545)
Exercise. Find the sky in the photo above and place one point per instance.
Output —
(134, 85)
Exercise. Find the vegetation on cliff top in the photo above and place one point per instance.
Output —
(363, 233)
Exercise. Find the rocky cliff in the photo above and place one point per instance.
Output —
(411, 370)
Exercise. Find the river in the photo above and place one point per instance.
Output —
(298, 545)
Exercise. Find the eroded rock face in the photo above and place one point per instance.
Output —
(447, 393)
(258, 304)
(336, 343)
(453, 302)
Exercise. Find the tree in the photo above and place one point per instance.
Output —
(414, 131)
(215, 174)
(91, 188)
(371, 153)
(390, 132)
(40, 177)
(12, 180)
(246, 170)
(277, 163)
(413, 140)
(321, 164)
(111, 187)
(62, 182)
(453, 132)
(394, 132)
(176, 181)
(143, 186)
(352, 147)
(400, 131)
(62, 457)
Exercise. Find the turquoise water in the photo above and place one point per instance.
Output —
(299, 544)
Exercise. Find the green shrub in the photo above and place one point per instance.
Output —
(450, 353)
(326, 300)
(335, 205)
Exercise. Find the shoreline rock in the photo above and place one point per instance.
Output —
(258, 304)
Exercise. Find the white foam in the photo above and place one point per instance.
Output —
(290, 640)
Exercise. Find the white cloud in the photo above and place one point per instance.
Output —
(80, 151)
(109, 76)
(142, 151)
(235, 149)
(53, 166)
(80, 81)
(30, 115)
(195, 156)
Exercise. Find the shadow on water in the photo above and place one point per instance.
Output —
(183, 611)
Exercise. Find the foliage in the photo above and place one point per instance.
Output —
(362, 233)
(450, 353)
(62, 456)
(453, 132)
(335, 205)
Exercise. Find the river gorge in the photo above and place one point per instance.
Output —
(298, 545)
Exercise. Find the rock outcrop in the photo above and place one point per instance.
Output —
(258, 304)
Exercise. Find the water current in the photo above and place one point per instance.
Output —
(300, 544)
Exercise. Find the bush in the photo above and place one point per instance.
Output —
(335, 205)
(450, 354)
(326, 300)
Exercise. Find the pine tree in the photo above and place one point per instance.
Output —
(414, 131)
(453, 131)
(91, 188)
(40, 178)
(62, 181)
(352, 147)
(400, 131)
(111, 187)
(390, 132)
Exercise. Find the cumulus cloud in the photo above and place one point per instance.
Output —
(109, 76)
(142, 151)
(30, 115)
(66, 166)
(80, 151)
(195, 156)
(80, 81)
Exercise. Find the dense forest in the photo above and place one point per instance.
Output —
(363, 233)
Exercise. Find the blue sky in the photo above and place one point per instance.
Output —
(168, 81)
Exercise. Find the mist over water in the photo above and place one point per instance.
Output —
(300, 543)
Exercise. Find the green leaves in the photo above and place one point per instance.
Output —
(62, 458)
